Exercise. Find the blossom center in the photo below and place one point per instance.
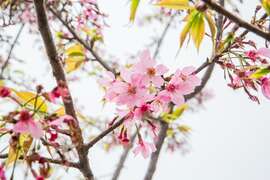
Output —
(144, 108)
(151, 71)
(131, 90)
(171, 88)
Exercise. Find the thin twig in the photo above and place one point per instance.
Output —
(10, 51)
(81, 41)
(104, 133)
(240, 22)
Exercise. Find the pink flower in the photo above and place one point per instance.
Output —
(252, 54)
(108, 82)
(2, 173)
(58, 92)
(264, 52)
(59, 121)
(140, 111)
(144, 148)
(161, 102)
(182, 83)
(147, 67)
(26, 124)
(4, 92)
(132, 92)
(266, 87)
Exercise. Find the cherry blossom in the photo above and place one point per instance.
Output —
(144, 148)
(266, 87)
(2, 173)
(150, 71)
(26, 124)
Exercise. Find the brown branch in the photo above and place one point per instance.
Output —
(161, 39)
(59, 75)
(123, 158)
(240, 22)
(104, 133)
(155, 155)
(81, 41)
(50, 160)
(10, 51)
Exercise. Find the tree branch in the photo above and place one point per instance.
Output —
(155, 155)
(104, 133)
(10, 51)
(123, 158)
(60, 77)
(81, 41)
(50, 160)
(240, 22)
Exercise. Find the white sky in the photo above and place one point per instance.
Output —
(230, 138)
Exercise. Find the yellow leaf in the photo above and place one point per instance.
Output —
(133, 9)
(174, 4)
(75, 50)
(266, 6)
(198, 30)
(93, 34)
(2, 83)
(60, 112)
(212, 27)
(190, 18)
(73, 63)
(177, 113)
(184, 129)
(23, 146)
(31, 100)
(170, 132)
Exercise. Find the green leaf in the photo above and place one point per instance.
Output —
(133, 9)
(260, 73)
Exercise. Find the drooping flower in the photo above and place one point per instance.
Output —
(266, 87)
(144, 148)
(26, 124)
(150, 71)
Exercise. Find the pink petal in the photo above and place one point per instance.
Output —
(20, 127)
(35, 129)
(157, 81)
(161, 69)
(178, 99)
(264, 52)
(266, 88)
(188, 70)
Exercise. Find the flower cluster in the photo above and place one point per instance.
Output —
(241, 76)
(143, 92)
